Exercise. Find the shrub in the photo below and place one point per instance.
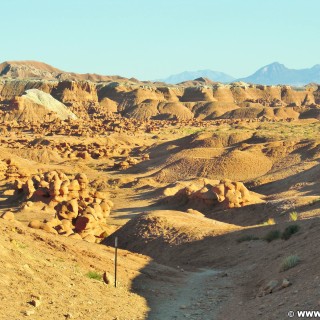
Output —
(269, 222)
(289, 262)
(289, 231)
(272, 235)
(294, 216)
(94, 275)
(248, 237)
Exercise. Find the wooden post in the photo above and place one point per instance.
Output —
(115, 260)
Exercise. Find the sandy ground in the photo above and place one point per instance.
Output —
(182, 266)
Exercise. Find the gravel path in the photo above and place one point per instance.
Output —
(199, 297)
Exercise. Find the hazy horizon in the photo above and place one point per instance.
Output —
(153, 40)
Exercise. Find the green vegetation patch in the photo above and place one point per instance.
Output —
(294, 216)
(289, 262)
(94, 275)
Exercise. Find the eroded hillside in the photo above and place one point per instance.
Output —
(102, 96)
(213, 188)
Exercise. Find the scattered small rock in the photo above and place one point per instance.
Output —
(8, 216)
(269, 288)
(108, 278)
(285, 283)
(35, 302)
(29, 312)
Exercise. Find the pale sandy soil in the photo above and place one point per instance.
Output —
(221, 277)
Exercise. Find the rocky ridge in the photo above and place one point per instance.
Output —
(200, 99)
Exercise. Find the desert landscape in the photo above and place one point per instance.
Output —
(212, 190)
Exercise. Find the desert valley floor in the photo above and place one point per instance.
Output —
(212, 190)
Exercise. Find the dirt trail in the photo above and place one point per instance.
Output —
(199, 297)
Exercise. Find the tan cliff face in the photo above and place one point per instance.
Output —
(173, 102)
(75, 92)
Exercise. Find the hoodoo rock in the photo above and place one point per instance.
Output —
(208, 193)
(75, 210)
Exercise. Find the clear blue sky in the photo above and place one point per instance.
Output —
(151, 39)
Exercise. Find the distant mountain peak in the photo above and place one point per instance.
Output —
(211, 75)
(273, 67)
(272, 74)
(276, 64)
(277, 73)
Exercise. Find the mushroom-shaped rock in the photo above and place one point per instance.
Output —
(29, 188)
(74, 185)
(51, 175)
(54, 187)
(73, 206)
(83, 180)
(67, 209)
(64, 188)
(105, 207)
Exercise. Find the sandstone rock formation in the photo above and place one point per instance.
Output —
(36, 105)
(91, 96)
(79, 209)
(207, 193)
